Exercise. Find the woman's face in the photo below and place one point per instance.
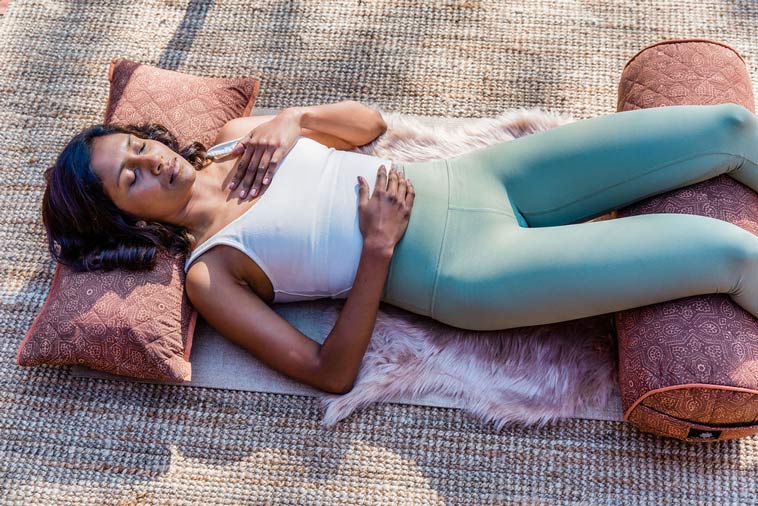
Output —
(136, 174)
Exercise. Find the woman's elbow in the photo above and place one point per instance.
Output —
(337, 388)
(344, 390)
(381, 125)
(376, 124)
(377, 128)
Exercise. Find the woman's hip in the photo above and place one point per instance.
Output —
(441, 224)
(412, 271)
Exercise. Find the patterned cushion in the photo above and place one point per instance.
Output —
(688, 368)
(137, 324)
(129, 323)
(690, 71)
(194, 108)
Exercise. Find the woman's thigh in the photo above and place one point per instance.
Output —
(493, 274)
(470, 259)
(582, 170)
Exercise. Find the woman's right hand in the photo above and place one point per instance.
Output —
(384, 217)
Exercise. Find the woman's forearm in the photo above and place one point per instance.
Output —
(343, 350)
(348, 120)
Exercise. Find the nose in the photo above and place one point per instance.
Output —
(157, 165)
(152, 162)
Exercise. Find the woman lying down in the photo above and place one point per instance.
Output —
(495, 238)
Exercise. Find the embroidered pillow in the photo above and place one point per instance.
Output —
(194, 108)
(137, 324)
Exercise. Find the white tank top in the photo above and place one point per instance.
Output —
(303, 232)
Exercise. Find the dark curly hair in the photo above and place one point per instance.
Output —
(91, 233)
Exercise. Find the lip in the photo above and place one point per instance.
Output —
(174, 170)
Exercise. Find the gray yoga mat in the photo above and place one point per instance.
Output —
(219, 363)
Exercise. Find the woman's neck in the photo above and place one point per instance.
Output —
(210, 201)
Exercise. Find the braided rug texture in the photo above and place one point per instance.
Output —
(66, 440)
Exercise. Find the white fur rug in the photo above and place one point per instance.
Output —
(528, 375)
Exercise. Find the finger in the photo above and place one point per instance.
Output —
(381, 179)
(362, 192)
(237, 150)
(392, 180)
(260, 152)
(253, 175)
(268, 176)
(256, 188)
(410, 195)
(273, 165)
(402, 186)
(263, 166)
(240, 168)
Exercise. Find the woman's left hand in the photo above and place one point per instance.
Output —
(262, 150)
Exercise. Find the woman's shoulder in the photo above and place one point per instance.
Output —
(238, 267)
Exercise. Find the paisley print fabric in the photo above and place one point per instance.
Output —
(685, 72)
(129, 323)
(689, 368)
(194, 108)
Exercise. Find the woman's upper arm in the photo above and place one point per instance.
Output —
(237, 127)
(239, 315)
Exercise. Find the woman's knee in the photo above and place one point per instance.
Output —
(744, 289)
(736, 117)
(749, 249)
(744, 251)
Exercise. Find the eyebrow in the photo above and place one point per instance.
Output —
(121, 167)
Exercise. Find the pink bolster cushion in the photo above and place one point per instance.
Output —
(688, 368)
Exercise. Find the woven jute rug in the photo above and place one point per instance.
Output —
(66, 440)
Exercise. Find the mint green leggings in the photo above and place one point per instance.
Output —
(495, 238)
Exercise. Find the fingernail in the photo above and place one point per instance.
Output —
(231, 186)
(242, 194)
(265, 181)
(254, 192)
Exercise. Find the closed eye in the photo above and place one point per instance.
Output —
(141, 149)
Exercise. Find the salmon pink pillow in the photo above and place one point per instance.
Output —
(193, 108)
(137, 324)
